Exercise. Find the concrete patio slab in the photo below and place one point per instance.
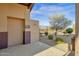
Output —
(33, 49)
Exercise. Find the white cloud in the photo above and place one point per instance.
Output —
(53, 10)
(50, 8)
(35, 12)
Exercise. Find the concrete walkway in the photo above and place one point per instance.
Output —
(33, 49)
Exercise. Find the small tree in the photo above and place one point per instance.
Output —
(59, 22)
(69, 30)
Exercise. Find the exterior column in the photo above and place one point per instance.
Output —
(27, 32)
(77, 31)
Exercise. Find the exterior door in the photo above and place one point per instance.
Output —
(15, 31)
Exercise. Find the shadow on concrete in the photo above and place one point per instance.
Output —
(70, 53)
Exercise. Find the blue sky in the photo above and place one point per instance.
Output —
(41, 11)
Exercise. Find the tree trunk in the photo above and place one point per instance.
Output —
(56, 33)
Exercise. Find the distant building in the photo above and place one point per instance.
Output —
(51, 31)
(43, 29)
(34, 30)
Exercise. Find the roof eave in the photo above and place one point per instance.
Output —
(29, 5)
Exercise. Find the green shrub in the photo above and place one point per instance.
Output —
(59, 40)
(46, 33)
(69, 30)
(50, 37)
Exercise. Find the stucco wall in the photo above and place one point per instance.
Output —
(34, 30)
(3, 21)
(12, 10)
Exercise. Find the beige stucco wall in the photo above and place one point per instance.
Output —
(12, 10)
(34, 30)
(77, 30)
